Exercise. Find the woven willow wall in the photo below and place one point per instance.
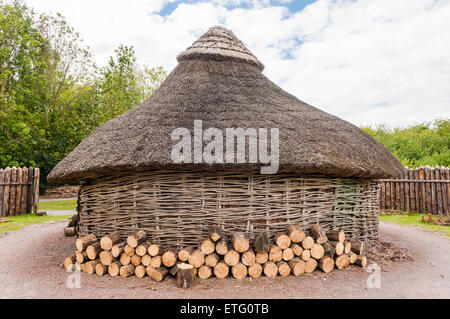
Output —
(176, 208)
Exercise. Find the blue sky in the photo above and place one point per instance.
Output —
(365, 61)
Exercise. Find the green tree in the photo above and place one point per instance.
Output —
(51, 94)
(422, 144)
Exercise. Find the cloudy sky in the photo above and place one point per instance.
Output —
(366, 61)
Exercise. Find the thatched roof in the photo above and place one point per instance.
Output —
(219, 81)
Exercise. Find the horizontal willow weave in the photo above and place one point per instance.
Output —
(176, 208)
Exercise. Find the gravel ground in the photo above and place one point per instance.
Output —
(31, 267)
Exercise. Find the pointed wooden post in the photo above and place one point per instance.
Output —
(7, 179)
(30, 190)
(2, 180)
(36, 191)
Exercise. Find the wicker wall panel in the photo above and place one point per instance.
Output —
(176, 208)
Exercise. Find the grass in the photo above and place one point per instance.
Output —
(58, 205)
(17, 222)
(414, 220)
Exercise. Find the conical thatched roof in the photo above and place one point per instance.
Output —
(219, 81)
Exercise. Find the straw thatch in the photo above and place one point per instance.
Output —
(220, 82)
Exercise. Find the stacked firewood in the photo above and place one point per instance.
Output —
(292, 252)
(71, 229)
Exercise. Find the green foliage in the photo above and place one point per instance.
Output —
(422, 144)
(51, 93)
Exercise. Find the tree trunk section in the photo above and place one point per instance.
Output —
(134, 240)
(207, 247)
(215, 233)
(361, 261)
(231, 258)
(126, 271)
(326, 264)
(296, 234)
(101, 269)
(248, 258)
(317, 251)
(283, 269)
(183, 254)
(169, 258)
(135, 260)
(282, 240)
(212, 260)
(125, 259)
(142, 249)
(114, 269)
(275, 254)
(338, 247)
(318, 234)
(297, 266)
(130, 251)
(261, 243)
(93, 250)
(329, 250)
(357, 247)
(221, 270)
(83, 242)
(297, 249)
(140, 271)
(255, 271)
(185, 275)
(117, 249)
(108, 241)
(310, 265)
(155, 262)
(261, 257)
(308, 242)
(222, 246)
(240, 242)
(270, 269)
(336, 235)
(306, 255)
(342, 262)
(196, 259)
(204, 272)
(239, 271)
(288, 254)
(70, 231)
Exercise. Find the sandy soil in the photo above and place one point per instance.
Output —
(31, 267)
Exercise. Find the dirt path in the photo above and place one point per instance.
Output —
(30, 267)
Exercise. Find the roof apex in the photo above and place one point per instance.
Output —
(220, 44)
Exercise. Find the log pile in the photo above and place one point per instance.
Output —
(293, 252)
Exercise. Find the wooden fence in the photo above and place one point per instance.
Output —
(423, 190)
(19, 191)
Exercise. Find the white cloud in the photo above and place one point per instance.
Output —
(365, 61)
